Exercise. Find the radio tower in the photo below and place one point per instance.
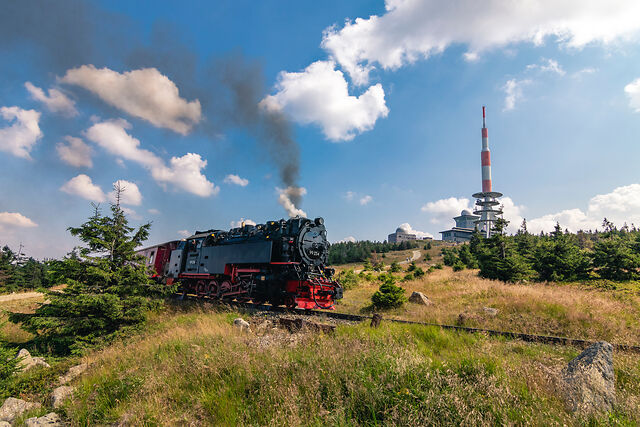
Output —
(487, 200)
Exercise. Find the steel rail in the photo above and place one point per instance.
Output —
(545, 339)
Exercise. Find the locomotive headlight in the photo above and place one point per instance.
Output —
(319, 221)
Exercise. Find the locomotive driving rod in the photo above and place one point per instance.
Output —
(546, 339)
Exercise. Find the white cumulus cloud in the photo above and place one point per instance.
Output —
(56, 101)
(153, 211)
(144, 93)
(365, 200)
(633, 92)
(348, 239)
(513, 92)
(15, 219)
(406, 227)
(622, 205)
(415, 29)
(183, 172)
(82, 186)
(20, 137)
(320, 95)
(75, 152)
(444, 210)
(129, 193)
(131, 213)
(286, 198)
(235, 179)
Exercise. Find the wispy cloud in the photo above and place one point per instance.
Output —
(513, 92)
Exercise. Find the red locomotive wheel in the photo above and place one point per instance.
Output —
(212, 289)
(201, 289)
(290, 302)
(225, 287)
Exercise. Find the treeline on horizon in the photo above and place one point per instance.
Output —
(18, 273)
(560, 256)
(348, 252)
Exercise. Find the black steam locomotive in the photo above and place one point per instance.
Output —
(280, 262)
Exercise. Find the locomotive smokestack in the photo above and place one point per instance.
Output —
(485, 156)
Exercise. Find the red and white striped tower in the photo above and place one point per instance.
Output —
(485, 156)
(487, 200)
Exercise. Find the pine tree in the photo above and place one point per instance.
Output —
(389, 294)
(498, 257)
(107, 287)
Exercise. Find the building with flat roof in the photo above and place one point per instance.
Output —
(464, 228)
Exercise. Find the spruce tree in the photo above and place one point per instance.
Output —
(107, 286)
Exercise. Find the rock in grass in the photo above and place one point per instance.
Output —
(72, 373)
(27, 362)
(5, 424)
(419, 298)
(589, 381)
(60, 395)
(490, 311)
(12, 408)
(50, 420)
(242, 324)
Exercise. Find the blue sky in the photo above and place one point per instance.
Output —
(383, 100)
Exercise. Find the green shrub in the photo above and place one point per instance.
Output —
(412, 266)
(458, 266)
(8, 365)
(408, 277)
(427, 257)
(395, 267)
(418, 272)
(388, 296)
(378, 266)
(348, 279)
(450, 256)
(438, 266)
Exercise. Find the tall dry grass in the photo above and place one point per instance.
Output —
(557, 309)
(196, 369)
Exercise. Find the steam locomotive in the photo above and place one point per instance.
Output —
(280, 262)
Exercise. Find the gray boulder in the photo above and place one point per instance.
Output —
(73, 373)
(5, 424)
(50, 420)
(60, 395)
(242, 324)
(589, 381)
(12, 408)
(419, 298)
(27, 362)
(490, 311)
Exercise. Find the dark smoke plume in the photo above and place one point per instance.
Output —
(70, 33)
(245, 82)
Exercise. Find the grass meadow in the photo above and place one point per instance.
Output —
(190, 366)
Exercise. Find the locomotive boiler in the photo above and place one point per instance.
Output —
(279, 262)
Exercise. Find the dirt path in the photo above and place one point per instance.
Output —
(415, 257)
(23, 295)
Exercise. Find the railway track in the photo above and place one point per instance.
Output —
(545, 339)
